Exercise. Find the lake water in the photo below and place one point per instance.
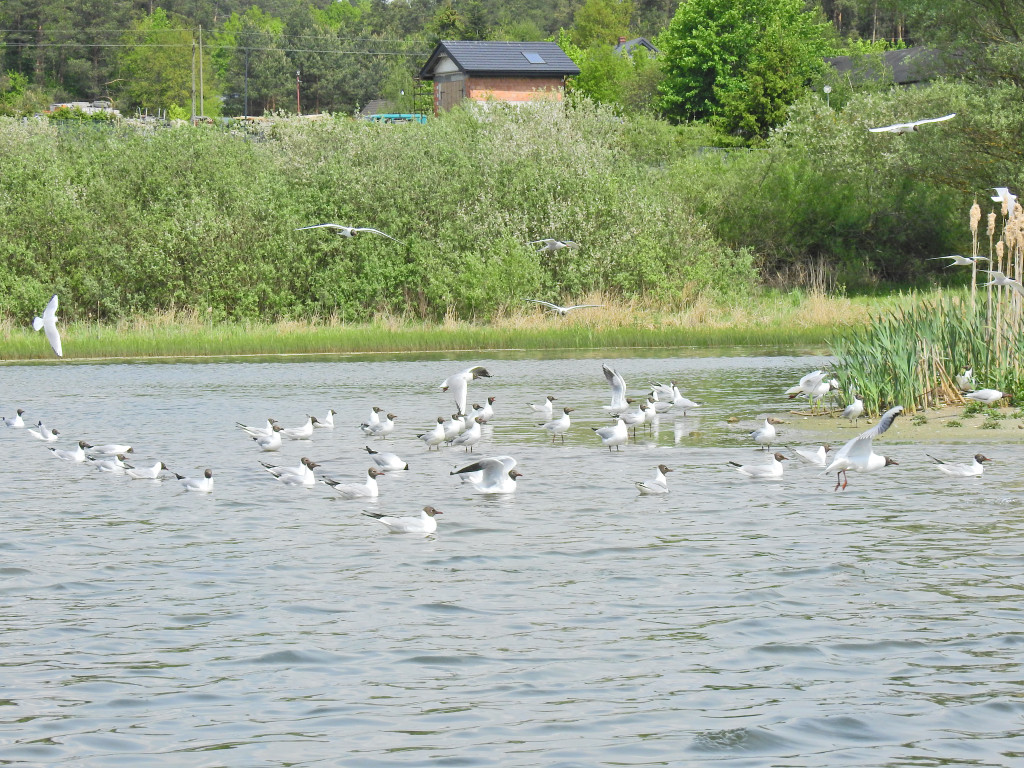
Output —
(573, 623)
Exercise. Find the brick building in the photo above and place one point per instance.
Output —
(502, 71)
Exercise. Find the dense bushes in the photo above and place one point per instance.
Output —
(120, 221)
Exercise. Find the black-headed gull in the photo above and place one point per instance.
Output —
(618, 385)
(986, 396)
(112, 449)
(77, 455)
(550, 244)
(765, 434)
(15, 421)
(470, 437)
(146, 473)
(257, 431)
(613, 436)
(486, 411)
(48, 324)
(373, 421)
(44, 433)
(672, 394)
(435, 436)
(327, 422)
(424, 524)
(558, 427)
(657, 485)
(562, 311)
(959, 261)
(300, 433)
(855, 409)
(808, 382)
(495, 474)
(367, 490)
(633, 419)
(974, 469)
(1003, 195)
(544, 407)
(387, 462)
(116, 465)
(816, 457)
(770, 471)
(202, 484)
(965, 380)
(305, 464)
(383, 428)
(348, 231)
(858, 454)
(998, 278)
(271, 442)
(913, 126)
(457, 385)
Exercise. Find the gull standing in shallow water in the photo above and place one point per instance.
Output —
(613, 436)
(558, 427)
(855, 409)
(425, 523)
(618, 385)
(348, 231)
(435, 436)
(544, 407)
(770, 471)
(656, 486)
(858, 454)
(48, 324)
(765, 434)
(974, 469)
(495, 474)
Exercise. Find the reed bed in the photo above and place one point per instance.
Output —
(911, 355)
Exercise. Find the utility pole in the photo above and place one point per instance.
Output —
(193, 81)
(246, 109)
(201, 97)
(298, 97)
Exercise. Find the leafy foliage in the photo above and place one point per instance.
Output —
(121, 222)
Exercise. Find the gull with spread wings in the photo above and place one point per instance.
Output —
(563, 311)
(910, 127)
(348, 231)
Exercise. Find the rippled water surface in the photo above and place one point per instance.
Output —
(573, 623)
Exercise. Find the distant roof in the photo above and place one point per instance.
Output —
(625, 46)
(907, 65)
(487, 57)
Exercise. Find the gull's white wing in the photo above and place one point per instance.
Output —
(890, 128)
(376, 232)
(934, 119)
(583, 306)
(884, 423)
(548, 304)
(570, 244)
(860, 446)
(321, 226)
(618, 385)
(545, 241)
(492, 468)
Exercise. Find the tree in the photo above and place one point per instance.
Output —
(601, 21)
(741, 62)
(250, 58)
(156, 66)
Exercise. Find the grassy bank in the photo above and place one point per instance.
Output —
(770, 319)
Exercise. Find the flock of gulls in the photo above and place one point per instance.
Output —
(498, 474)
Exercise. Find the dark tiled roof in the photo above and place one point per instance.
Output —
(907, 66)
(486, 57)
(628, 45)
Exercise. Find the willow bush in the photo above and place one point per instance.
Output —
(122, 221)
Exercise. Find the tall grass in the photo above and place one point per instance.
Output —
(911, 355)
(764, 319)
